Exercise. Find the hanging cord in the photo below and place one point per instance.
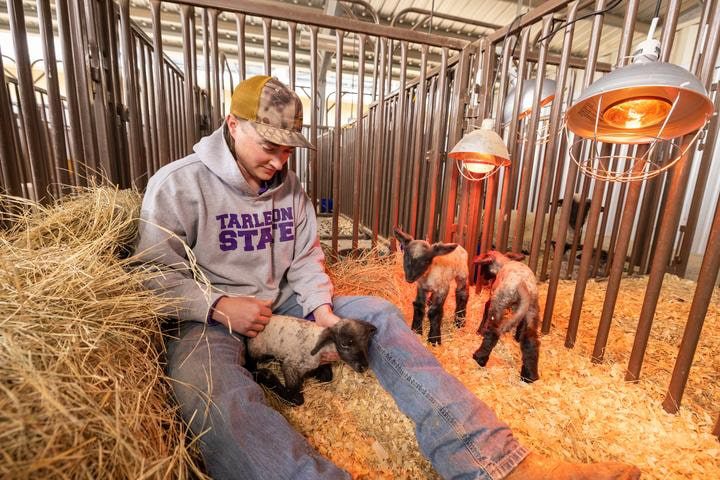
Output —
(614, 4)
(432, 10)
(655, 20)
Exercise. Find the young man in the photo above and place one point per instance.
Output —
(252, 231)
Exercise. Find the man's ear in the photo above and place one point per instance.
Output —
(440, 248)
(326, 337)
(402, 237)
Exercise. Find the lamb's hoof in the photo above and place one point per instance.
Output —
(323, 373)
(528, 377)
(266, 378)
(295, 400)
(434, 341)
(480, 358)
(417, 329)
(459, 322)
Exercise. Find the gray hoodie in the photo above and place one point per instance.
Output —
(262, 245)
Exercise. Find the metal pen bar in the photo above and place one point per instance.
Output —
(240, 28)
(11, 175)
(130, 89)
(31, 122)
(309, 16)
(377, 153)
(336, 173)
(570, 182)
(159, 81)
(83, 87)
(55, 106)
(529, 151)
(77, 152)
(459, 101)
(313, 114)
(357, 185)
(186, 12)
(267, 44)
(666, 237)
(215, 69)
(552, 148)
(417, 147)
(698, 311)
(436, 147)
(618, 260)
(97, 81)
(398, 146)
(510, 181)
(680, 268)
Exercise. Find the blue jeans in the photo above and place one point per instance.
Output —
(244, 438)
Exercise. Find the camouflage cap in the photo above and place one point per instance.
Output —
(274, 110)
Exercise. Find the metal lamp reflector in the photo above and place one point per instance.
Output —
(527, 99)
(480, 153)
(641, 103)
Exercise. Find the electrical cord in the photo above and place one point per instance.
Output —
(614, 4)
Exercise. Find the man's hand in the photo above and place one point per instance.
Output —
(244, 315)
(324, 316)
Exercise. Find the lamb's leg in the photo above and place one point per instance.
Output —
(482, 354)
(483, 323)
(323, 373)
(435, 313)
(419, 310)
(461, 299)
(293, 386)
(529, 346)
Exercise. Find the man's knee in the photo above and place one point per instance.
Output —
(375, 310)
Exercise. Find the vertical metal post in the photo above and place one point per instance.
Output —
(553, 143)
(380, 132)
(529, 150)
(187, 11)
(9, 154)
(56, 117)
(437, 145)
(510, 180)
(698, 310)
(399, 142)
(31, 122)
(336, 173)
(668, 226)
(420, 100)
(357, 185)
(240, 28)
(458, 102)
(77, 151)
(570, 183)
(215, 69)
(313, 112)
(160, 105)
(267, 45)
(130, 89)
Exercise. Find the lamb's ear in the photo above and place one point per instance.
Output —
(518, 257)
(483, 259)
(440, 248)
(402, 237)
(325, 337)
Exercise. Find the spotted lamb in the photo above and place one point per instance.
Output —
(433, 267)
(297, 344)
(512, 286)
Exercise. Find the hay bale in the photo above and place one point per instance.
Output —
(80, 346)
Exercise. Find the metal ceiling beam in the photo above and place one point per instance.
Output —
(310, 16)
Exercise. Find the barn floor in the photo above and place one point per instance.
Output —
(577, 410)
